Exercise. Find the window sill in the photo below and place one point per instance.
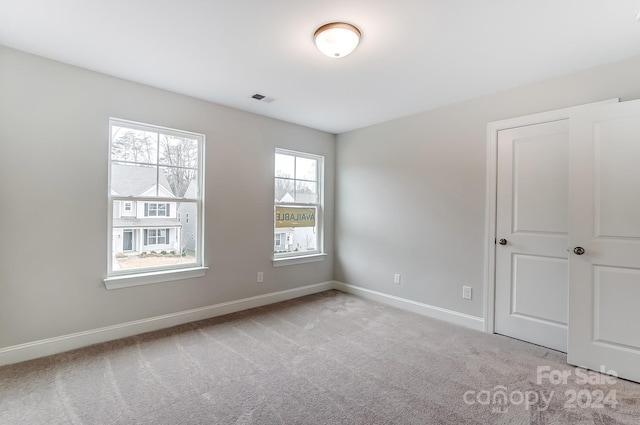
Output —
(127, 281)
(290, 261)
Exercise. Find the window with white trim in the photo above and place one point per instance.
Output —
(160, 171)
(154, 209)
(298, 204)
(156, 236)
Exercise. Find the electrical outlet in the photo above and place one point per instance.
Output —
(260, 278)
(396, 278)
(466, 292)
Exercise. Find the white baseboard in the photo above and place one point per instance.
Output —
(49, 346)
(451, 316)
(46, 347)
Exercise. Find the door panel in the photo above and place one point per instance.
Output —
(617, 174)
(532, 209)
(616, 295)
(604, 282)
(540, 163)
(534, 279)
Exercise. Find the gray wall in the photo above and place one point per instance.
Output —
(53, 200)
(410, 196)
(410, 193)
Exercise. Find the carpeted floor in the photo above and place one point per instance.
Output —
(329, 358)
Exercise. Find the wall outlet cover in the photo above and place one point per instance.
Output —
(466, 292)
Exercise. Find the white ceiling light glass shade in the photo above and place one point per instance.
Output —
(337, 39)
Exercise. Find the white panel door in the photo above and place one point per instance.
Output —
(532, 234)
(604, 282)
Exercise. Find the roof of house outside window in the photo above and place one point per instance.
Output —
(128, 180)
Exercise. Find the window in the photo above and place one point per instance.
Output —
(152, 209)
(155, 174)
(298, 204)
(156, 236)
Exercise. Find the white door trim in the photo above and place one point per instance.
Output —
(490, 213)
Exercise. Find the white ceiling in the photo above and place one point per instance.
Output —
(415, 55)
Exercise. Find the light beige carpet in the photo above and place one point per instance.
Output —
(329, 358)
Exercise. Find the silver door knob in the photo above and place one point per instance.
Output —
(578, 250)
(502, 241)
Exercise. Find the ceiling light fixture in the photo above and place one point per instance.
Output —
(337, 39)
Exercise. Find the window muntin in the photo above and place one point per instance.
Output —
(298, 204)
(154, 174)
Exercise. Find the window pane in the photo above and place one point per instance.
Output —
(296, 229)
(155, 241)
(152, 162)
(178, 151)
(133, 180)
(179, 182)
(295, 240)
(284, 190)
(306, 192)
(132, 145)
(306, 169)
(305, 239)
(285, 165)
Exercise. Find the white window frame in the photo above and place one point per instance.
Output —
(142, 276)
(285, 259)
(127, 206)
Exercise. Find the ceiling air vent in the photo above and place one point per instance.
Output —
(262, 97)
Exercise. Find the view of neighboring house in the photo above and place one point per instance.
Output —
(290, 239)
(187, 216)
(143, 226)
(284, 240)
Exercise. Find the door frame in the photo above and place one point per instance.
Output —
(491, 193)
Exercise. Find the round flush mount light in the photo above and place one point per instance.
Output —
(337, 39)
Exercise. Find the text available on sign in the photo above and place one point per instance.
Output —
(295, 217)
